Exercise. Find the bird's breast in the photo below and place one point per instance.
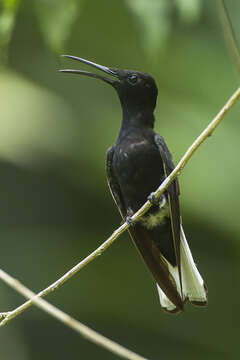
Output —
(138, 167)
(137, 158)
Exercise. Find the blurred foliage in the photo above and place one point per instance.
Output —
(189, 10)
(156, 20)
(8, 10)
(56, 18)
(55, 206)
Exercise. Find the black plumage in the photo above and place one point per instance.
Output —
(136, 164)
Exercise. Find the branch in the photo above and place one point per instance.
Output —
(176, 172)
(82, 329)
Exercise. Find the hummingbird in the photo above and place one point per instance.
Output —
(136, 164)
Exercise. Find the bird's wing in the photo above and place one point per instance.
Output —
(143, 241)
(173, 193)
(113, 183)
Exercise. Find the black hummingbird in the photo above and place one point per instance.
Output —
(136, 164)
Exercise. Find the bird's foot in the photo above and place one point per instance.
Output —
(129, 220)
(152, 198)
(161, 202)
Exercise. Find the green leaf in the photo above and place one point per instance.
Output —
(189, 10)
(56, 18)
(153, 16)
(8, 11)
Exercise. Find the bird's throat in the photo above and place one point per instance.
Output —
(137, 118)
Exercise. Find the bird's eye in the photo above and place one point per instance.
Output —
(132, 79)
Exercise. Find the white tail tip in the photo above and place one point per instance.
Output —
(193, 287)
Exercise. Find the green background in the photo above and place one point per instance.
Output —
(55, 206)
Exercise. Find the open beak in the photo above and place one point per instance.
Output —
(97, 66)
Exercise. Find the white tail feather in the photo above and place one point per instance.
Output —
(193, 287)
(165, 302)
(193, 284)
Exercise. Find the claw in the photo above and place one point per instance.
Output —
(130, 221)
(152, 199)
(162, 201)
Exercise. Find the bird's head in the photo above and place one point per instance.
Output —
(137, 91)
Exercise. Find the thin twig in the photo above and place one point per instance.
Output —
(176, 172)
(229, 33)
(82, 329)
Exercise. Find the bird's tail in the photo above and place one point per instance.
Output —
(193, 288)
